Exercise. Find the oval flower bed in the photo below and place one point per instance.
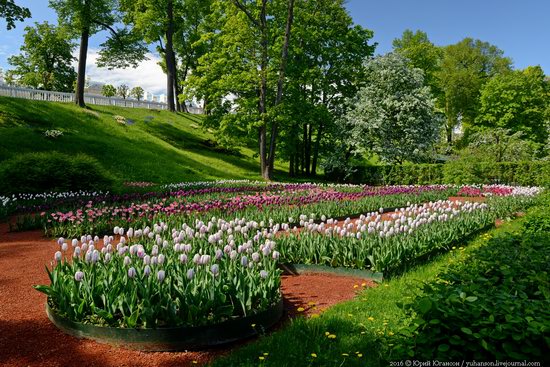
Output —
(167, 289)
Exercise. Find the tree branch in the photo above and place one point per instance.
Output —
(241, 6)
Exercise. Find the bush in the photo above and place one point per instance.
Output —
(463, 171)
(495, 305)
(52, 171)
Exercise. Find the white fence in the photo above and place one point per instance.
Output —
(44, 95)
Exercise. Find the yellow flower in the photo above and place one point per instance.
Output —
(363, 284)
(311, 303)
(386, 285)
(314, 316)
(371, 318)
(300, 309)
(359, 355)
(350, 315)
(390, 333)
(327, 333)
(332, 336)
(454, 247)
(261, 358)
(345, 354)
(253, 325)
(195, 362)
(266, 354)
(363, 332)
(314, 355)
(356, 286)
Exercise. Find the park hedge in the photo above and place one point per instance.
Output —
(456, 172)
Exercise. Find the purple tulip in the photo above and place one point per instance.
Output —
(255, 257)
(127, 261)
(183, 258)
(131, 272)
(147, 270)
(190, 274)
(276, 255)
(244, 261)
(263, 274)
(215, 269)
(147, 259)
(78, 276)
(161, 275)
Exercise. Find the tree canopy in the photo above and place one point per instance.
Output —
(393, 115)
(12, 13)
(46, 59)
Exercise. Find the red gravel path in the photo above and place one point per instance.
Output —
(27, 338)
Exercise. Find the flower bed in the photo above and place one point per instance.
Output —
(159, 277)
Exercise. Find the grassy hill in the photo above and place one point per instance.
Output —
(156, 146)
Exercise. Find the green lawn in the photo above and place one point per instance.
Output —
(159, 146)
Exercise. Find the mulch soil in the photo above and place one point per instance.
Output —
(28, 338)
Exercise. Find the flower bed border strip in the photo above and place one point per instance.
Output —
(172, 339)
(299, 269)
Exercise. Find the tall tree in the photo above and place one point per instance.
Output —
(45, 59)
(137, 93)
(393, 115)
(465, 68)
(325, 68)
(108, 90)
(13, 13)
(157, 21)
(123, 91)
(87, 17)
(422, 54)
(516, 101)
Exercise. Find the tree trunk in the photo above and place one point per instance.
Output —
(81, 77)
(169, 58)
(262, 106)
(280, 84)
(316, 149)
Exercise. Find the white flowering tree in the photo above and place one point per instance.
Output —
(393, 115)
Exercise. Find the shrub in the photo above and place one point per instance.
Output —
(495, 305)
(52, 171)
(463, 171)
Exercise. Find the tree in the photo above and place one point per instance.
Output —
(123, 90)
(465, 68)
(87, 17)
(325, 68)
(108, 90)
(157, 21)
(137, 93)
(422, 54)
(46, 59)
(248, 47)
(13, 13)
(516, 101)
(393, 114)
(499, 145)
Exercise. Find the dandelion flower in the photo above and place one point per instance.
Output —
(314, 355)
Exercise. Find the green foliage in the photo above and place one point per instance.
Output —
(460, 171)
(465, 68)
(13, 13)
(108, 90)
(493, 305)
(52, 171)
(517, 101)
(499, 145)
(123, 90)
(137, 93)
(422, 54)
(46, 59)
(393, 115)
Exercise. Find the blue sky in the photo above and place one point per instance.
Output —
(520, 28)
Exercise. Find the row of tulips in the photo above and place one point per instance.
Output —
(192, 275)
(259, 207)
(391, 243)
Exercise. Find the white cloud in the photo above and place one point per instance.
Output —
(147, 75)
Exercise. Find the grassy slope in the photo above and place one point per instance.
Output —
(364, 327)
(167, 148)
